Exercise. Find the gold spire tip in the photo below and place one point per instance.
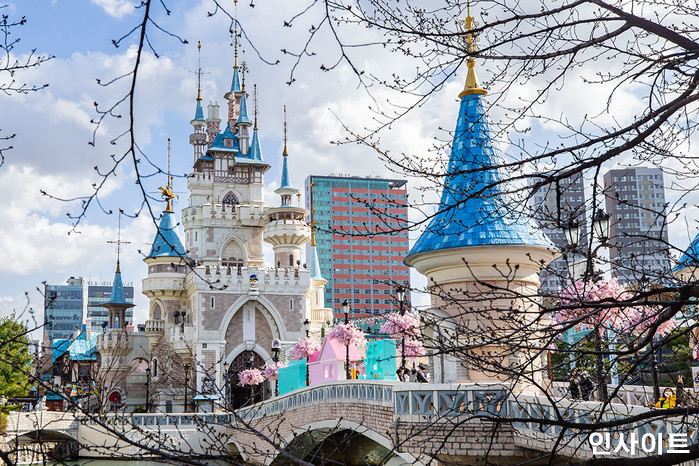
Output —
(166, 192)
(472, 85)
(313, 236)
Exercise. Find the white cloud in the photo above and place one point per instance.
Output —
(116, 8)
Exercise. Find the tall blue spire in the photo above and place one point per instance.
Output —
(199, 112)
(117, 296)
(255, 152)
(243, 117)
(313, 264)
(285, 172)
(474, 209)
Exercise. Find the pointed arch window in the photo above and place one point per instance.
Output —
(230, 199)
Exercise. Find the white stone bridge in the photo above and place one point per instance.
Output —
(362, 421)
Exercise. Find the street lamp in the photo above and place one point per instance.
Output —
(572, 232)
(276, 348)
(400, 292)
(307, 326)
(186, 385)
(346, 309)
(148, 389)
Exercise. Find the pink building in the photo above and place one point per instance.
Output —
(328, 365)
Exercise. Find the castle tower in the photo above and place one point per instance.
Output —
(243, 123)
(198, 138)
(286, 229)
(117, 304)
(482, 259)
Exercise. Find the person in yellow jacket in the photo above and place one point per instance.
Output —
(668, 400)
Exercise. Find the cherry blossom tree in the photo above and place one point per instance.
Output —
(305, 348)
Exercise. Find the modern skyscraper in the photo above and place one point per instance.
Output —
(63, 308)
(635, 200)
(362, 269)
(98, 294)
(553, 206)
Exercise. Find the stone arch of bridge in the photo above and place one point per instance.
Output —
(42, 435)
(317, 432)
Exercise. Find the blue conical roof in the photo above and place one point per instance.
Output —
(167, 243)
(314, 265)
(117, 297)
(473, 210)
(243, 117)
(255, 153)
(690, 258)
(199, 112)
(285, 184)
(235, 84)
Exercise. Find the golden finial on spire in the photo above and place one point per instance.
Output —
(298, 199)
(472, 85)
(243, 70)
(199, 73)
(254, 97)
(119, 242)
(166, 192)
(285, 153)
(235, 33)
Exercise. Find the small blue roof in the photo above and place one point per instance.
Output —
(218, 145)
(205, 397)
(78, 349)
(314, 265)
(690, 258)
(473, 210)
(117, 297)
(167, 243)
(235, 84)
(254, 152)
(243, 117)
(199, 112)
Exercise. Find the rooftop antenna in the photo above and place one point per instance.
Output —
(235, 33)
(285, 153)
(254, 93)
(198, 77)
(119, 242)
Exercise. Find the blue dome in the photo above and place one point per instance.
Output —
(167, 243)
(474, 210)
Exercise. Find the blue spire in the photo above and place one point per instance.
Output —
(117, 297)
(285, 174)
(313, 264)
(243, 117)
(474, 210)
(690, 258)
(199, 113)
(254, 152)
(235, 84)
(167, 243)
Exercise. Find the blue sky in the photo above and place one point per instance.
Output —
(53, 126)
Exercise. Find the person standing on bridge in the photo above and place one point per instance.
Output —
(574, 384)
(586, 385)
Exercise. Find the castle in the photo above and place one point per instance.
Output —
(214, 306)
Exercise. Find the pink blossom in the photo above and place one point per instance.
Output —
(347, 334)
(404, 325)
(271, 371)
(606, 305)
(361, 370)
(250, 377)
(304, 348)
(413, 348)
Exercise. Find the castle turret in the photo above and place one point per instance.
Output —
(198, 138)
(478, 244)
(243, 124)
(287, 229)
(117, 304)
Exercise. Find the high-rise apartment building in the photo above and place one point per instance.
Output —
(98, 294)
(364, 265)
(63, 308)
(638, 244)
(553, 206)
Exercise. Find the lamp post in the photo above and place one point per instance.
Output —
(307, 327)
(186, 385)
(400, 292)
(276, 348)
(346, 309)
(148, 389)
(572, 232)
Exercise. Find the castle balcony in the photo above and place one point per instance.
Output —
(251, 279)
(218, 213)
(181, 339)
(319, 317)
(114, 340)
(162, 286)
(287, 232)
(197, 138)
(155, 327)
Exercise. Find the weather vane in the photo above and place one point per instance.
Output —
(119, 242)
(166, 192)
